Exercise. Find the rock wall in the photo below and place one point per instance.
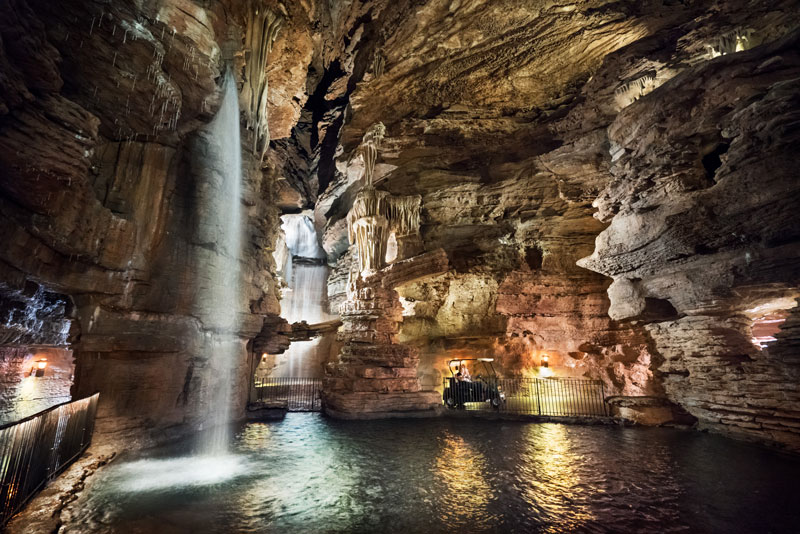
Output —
(704, 240)
(513, 151)
(506, 183)
(652, 139)
(107, 171)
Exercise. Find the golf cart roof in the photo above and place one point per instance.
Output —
(458, 360)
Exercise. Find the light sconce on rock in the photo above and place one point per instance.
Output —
(38, 368)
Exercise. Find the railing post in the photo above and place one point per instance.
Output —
(538, 398)
(603, 398)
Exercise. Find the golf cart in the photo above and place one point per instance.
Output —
(481, 387)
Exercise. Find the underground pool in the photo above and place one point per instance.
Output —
(309, 473)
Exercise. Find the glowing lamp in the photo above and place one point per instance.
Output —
(264, 356)
(38, 368)
(545, 361)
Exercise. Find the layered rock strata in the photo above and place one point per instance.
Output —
(108, 176)
(704, 240)
(374, 376)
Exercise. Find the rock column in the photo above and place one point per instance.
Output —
(375, 376)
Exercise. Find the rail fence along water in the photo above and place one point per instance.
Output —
(555, 397)
(296, 394)
(36, 449)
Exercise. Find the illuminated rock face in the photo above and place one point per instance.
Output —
(510, 186)
(668, 123)
(704, 238)
(107, 168)
(374, 376)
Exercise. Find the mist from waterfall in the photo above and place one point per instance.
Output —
(224, 215)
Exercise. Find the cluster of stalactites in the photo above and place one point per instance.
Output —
(402, 213)
(633, 90)
(370, 144)
(737, 40)
(377, 214)
(371, 236)
(374, 216)
(262, 29)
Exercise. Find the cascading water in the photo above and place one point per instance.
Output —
(301, 237)
(306, 297)
(224, 288)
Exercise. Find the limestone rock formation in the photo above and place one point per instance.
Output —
(704, 237)
(513, 150)
(610, 184)
(374, 376)
(105, 168)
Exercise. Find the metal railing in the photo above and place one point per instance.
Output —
(36, 449)
(293, 393)
(557, 397)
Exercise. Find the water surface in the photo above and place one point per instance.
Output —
(313, 474)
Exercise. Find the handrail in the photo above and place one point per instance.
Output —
(38, 414)
(34, 450)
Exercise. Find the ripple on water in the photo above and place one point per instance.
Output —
(312, 474)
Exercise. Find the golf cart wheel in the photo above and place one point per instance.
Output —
(496, 403)
(450, 402)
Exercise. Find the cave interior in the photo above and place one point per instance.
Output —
(199, 195)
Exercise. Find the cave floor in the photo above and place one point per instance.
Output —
(309, 473)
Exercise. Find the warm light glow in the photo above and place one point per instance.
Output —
(38, 368)
(550, 459)
(462, 469)
(264, 356)
(545, 360)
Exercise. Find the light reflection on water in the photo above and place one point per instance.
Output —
(462, 470)
(312, 474)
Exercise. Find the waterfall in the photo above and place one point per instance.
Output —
(301, 236)
(224, 215)
(305, 298)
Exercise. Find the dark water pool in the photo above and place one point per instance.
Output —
(312, 474)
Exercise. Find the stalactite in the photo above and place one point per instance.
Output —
(375, 214)
(369, 202)
(736, 40)
(262, 29)
(370, 144)
(631, 91)
(371, 235)
(403, 214)
(378, 65)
